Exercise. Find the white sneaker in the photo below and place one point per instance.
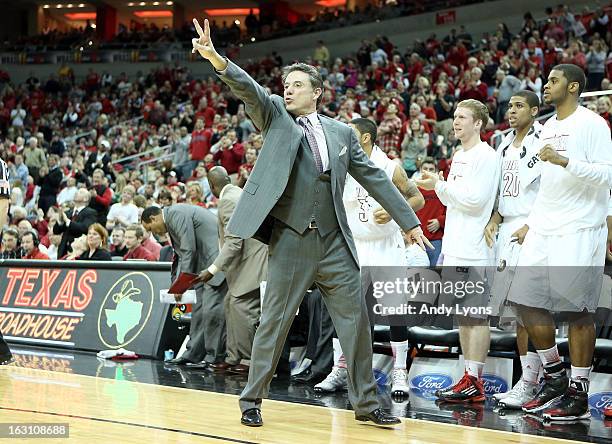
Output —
(521, 393)
(335, 381)
(399, 382)
(500, 396)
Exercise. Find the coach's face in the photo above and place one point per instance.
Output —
(300, 97)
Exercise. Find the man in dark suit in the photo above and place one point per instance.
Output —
(293, 201)
(50, 179)
(76, 224)
(245, 264)
(100, 159)
(193, 235)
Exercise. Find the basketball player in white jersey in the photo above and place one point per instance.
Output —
(469, 195)
(560, 267)
(379, 242)
(519, 184)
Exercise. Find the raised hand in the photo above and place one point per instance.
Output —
(203, 44)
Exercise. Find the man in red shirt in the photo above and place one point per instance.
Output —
(200, 142)
(205, 112)
(133, 241)
(245, 169)
(475, 88)
(230, 152)
(432, 215)
(29, 243)
(151, 244)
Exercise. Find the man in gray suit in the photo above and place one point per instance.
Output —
(293, 201)
(245, 264)
(193, 234)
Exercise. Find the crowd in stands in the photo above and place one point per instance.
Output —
(75, 149)
(139, 35)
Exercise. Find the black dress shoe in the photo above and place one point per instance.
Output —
(379, 417)
(178, 361)
(239, 369)
(219, 366)
(7, 359)
(302, 376)
(252, 418)
(197, 365)
(308, 377)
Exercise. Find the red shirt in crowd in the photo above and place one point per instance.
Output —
(433, 209)
(200, 144)
(36, 254)
(140, 252)
(476, 92)
(105, 198)
(230, 159)
(153, 247)
(208, 115)
(247, 166)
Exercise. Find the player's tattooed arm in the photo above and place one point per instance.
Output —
(408, 189)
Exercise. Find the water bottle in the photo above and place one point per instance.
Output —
(169, 355)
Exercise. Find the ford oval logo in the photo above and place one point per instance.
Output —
(600, 401)
(380, 376)
(430, 382)
(494, 384)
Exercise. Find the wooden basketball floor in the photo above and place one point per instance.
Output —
(118, 411)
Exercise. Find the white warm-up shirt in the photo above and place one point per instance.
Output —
(360, 206)
(520, 172)
(575, 197)
(469, 195)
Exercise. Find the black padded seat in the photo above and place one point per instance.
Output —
(503, 340)
(433, 336)
(603, 348)
(382, 333)
(562, 346)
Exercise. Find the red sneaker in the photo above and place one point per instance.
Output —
(468, 389)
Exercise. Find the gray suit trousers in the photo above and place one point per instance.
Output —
(241, 314)
(207, 330)
(295, 262)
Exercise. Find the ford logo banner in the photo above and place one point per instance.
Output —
(494, 384)
(430, 382)
(599, 401)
